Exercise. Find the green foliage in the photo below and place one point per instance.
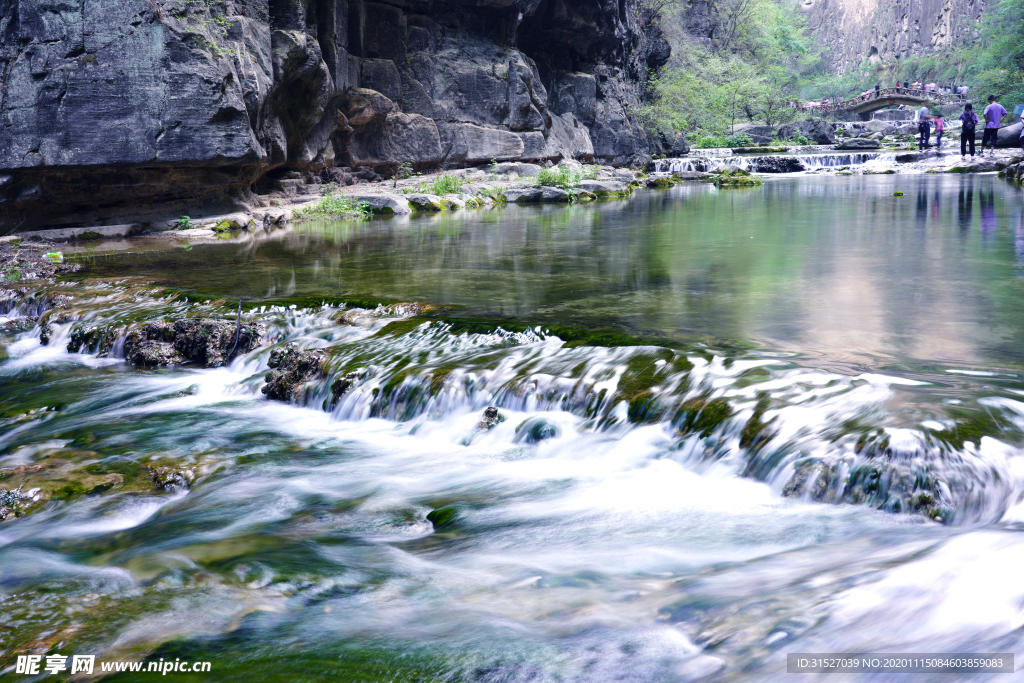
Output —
(564, 176)
(443, 184)
(496, 195)
(999, 68)
(404, 171)
(327, 189)
(721, 141)
(183, 223)
(334, 206)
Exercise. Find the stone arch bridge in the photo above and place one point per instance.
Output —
(886, 97)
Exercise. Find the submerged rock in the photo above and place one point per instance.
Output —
(204, 341)
(10, 503)
(172, 480)
(292, 368)
(535, 430)
(443, 517)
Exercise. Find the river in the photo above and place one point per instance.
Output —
(735, 424)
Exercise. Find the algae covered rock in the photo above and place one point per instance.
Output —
(444, 517)
(205, 341)
(424, 202)
(291, 368)
(172, 479)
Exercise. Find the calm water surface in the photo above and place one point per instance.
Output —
(823, 455)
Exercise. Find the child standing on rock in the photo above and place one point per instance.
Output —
(940, 126)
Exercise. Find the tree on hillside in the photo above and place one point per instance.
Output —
(729, 20)
(773, 104)
(1000, 68)
(650, 11)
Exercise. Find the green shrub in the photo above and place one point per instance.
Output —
(334, 206)
(443, 184)
(183, 223)
(495, 194)
(564, 177)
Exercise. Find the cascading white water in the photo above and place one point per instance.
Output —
(772, 163)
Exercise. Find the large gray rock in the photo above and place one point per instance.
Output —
(393, 139)
(522, 195)
(817, 130)
(850, 35)
(777, 164)
(385, 204)
(859, 143)
(126, 112)
(568, 139)
(1009, 136)
(424, 202)
(472, 144)
(605, 188)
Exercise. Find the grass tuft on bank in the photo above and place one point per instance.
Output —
(334, 206)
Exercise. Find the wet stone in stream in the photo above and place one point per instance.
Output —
(291, 369)
(211, 343)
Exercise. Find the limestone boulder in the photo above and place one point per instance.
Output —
(394, 139)
(472, 144)
(859, 143)
(385, 204)
(815, 129)
(424, 202)
(605, 188)
(1009, 136)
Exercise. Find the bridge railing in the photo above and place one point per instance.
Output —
(917, 93)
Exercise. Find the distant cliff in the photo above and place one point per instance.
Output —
(853, 31)
(116, 110)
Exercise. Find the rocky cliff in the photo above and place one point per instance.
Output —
(853, 31)
(117, 110)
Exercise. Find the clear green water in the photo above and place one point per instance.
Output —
(831, 266)
(752, 487)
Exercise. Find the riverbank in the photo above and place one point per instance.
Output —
(517, 183)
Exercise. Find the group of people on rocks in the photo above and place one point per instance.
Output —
(994, 114)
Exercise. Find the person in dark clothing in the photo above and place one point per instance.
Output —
(970, 121)
(878, 91)
(924, 126)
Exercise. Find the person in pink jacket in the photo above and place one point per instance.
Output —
(940, 125)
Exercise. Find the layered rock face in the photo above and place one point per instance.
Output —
(858, 30)
(147, 108)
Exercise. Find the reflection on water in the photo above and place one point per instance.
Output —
(837, 267)
(641, 514)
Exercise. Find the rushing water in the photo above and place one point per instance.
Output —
(771, 163)
(817, 450)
